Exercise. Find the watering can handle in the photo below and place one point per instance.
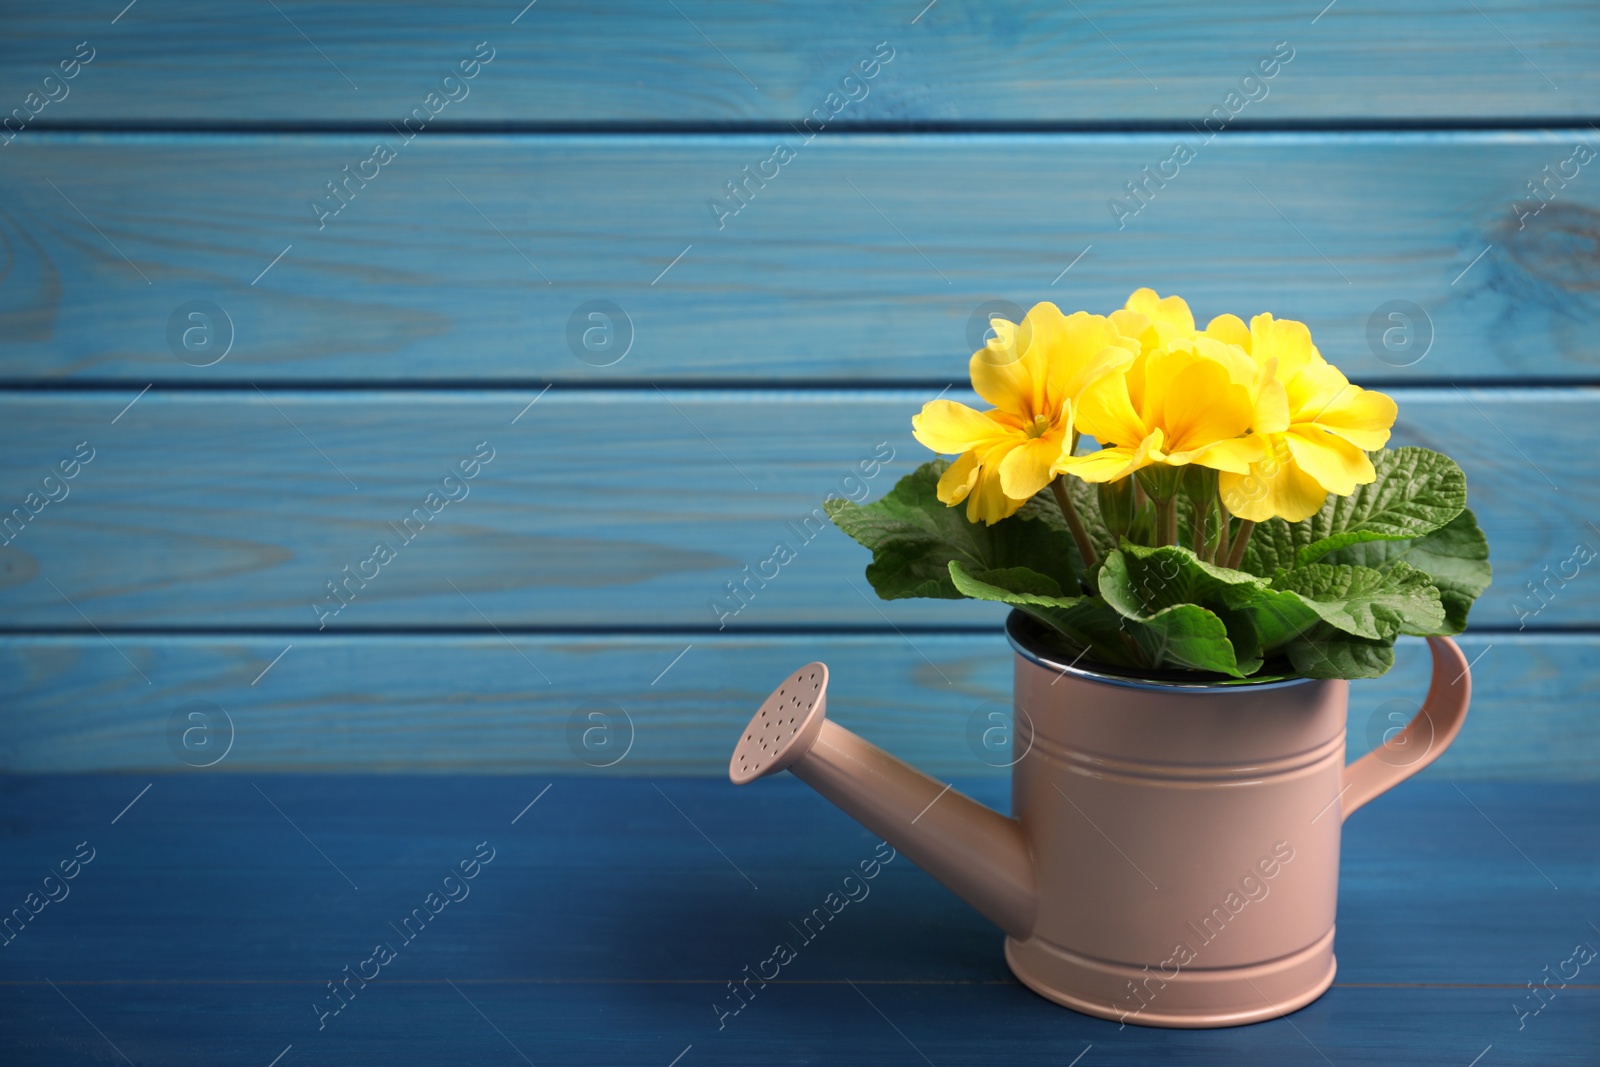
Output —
(1424, 739)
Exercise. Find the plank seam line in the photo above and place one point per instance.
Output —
(929, 127)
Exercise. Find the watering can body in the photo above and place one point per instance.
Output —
(1173, 854)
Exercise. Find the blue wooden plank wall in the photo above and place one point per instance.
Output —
(268, 273)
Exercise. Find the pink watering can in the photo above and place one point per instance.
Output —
(1173, 859)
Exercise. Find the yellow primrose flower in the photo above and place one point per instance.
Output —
(1328, 427)
(1153, 320)
(1158, 322)
(1031, 372)
(1190, 400)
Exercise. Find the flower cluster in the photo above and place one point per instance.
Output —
(1220, 500)
(1281, 426)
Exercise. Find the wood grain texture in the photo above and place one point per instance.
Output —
(1385, 169)
(606, 926)
(564, 63)
(610, 509)
(649, 705)
(466, 259)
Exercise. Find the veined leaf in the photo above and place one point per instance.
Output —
(1171, 574)
(1373, 604)
(1325, 652)
(1416, 492)
(914, 538)
(1154, 590)
(1455, 557)
(1086, 622)
(1259, 618)
(1401, 555)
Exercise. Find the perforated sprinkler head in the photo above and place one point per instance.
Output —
(784, 728)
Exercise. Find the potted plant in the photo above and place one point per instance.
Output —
(1204, 539)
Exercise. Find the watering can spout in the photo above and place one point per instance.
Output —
(979, 854)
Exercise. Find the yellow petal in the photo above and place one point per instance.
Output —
(1112, 359)
(1242, 370)
(1237, 455)
(1360, 416)
(1335, 464)
(1000, 371)
(1229, 329)
(988, 502)
(1111, 464)
(1135, 327)
(1049, 341)
(1276, 488)
(1171, 310)
(1314, 389)
(958, 479)
(1285, 340)
(1201, 406)
(948, 427)
(1159, 366)
(1271, 403)
(1090, 347)
(1105, 412)
(1029, 467)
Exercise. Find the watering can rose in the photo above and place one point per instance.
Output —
(1218, 499)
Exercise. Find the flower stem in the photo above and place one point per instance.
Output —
(1167, 516)
(1219, 553)
(1063, 501)
(1240, 540)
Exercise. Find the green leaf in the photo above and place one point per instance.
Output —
(1373, 604)
(1325, 652)
(1455, 556)
(1259, 619)
(1154, 589)
(1010, 585)
(1273, 546)
(1018, 581)
(914, 538)
(1273, 617)
(1086, 622)
(1416, 492)
(1330, 594)
(1172, 574)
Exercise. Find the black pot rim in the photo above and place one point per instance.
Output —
(1030, 639)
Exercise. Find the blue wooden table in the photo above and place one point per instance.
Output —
(225, 919)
